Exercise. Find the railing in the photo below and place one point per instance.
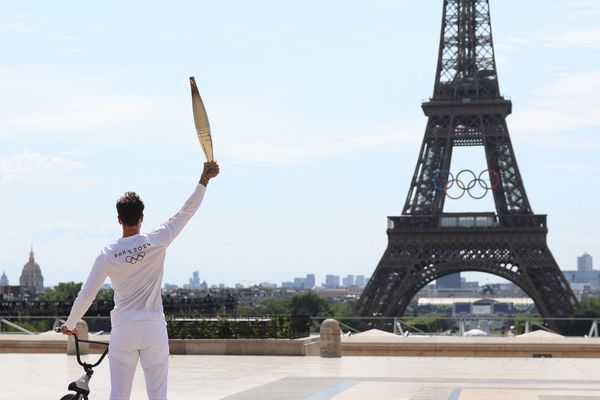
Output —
(34, 325)
(302, 326)
(432, 325)
(224, 327)
(265, 327)
(207, 304)
(14, 326)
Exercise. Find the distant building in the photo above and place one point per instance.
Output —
(170, 286)
(3, 279)
(469, 306)
(451, 281)
(583, 282)
(348, 281)
(194, 281)
(490, 307)
(310, 281)
(299, 283)
(31, 279)
(11, 292)
(332, 281)
(585, 263)
(360, 281)
(465, 284)
(585, 277)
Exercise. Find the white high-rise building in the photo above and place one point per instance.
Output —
(332, 281)
(584, 263)
(348, 281)
(309, 282)
(360, 280)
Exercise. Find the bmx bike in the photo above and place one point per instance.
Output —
(81, 386)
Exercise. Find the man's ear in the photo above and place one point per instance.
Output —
(120, 221)
(141, 219)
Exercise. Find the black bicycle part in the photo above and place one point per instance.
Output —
(73, 397)
(87, 367)
(81, 386)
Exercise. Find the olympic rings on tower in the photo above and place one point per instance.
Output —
(443, 180)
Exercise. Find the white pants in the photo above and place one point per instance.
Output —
(148, 342)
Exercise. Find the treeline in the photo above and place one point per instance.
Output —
(57, 302)
(307, 303)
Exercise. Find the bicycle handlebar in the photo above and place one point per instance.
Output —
(87, 366)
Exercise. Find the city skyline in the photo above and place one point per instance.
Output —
(316, 130)
(310, 281)
(583, 263)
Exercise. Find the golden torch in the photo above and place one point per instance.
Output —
(201, 121)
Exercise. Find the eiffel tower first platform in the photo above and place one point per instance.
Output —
(424, 243)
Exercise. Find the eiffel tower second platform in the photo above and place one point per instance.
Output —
(422, 249)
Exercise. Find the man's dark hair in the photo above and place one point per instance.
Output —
(130, 208)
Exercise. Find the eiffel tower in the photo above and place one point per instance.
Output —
(424, 243)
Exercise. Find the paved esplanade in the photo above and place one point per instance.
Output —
(45, 376)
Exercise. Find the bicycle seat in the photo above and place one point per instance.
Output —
(81, 385)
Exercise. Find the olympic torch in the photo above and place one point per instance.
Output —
(201, 121)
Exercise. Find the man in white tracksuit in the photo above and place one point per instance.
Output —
(135, 265)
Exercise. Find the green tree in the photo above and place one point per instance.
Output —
(275, 307)
(269, 306)
(343, 310)
(105, 294)
(309, 303)
(588, 308)
(30, 325)
(64, 291)
(246, 311)
(67, 291)
(427, 322)
(345, 313)
(521, 321)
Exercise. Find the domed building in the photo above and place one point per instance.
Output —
(3, 279)
(31, 277)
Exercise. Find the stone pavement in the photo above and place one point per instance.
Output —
(45, 376)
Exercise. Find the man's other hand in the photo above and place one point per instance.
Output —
(67, 331)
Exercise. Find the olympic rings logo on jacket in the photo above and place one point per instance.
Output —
(135, 258)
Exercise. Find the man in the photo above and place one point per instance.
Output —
(135, 265)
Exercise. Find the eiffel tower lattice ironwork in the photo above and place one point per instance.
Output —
(424, 243)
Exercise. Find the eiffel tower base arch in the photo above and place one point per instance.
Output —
(414, 258)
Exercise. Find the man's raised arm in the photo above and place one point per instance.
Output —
(169, 230)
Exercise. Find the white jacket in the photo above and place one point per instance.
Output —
(135, 266)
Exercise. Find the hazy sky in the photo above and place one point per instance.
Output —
(316, 120)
